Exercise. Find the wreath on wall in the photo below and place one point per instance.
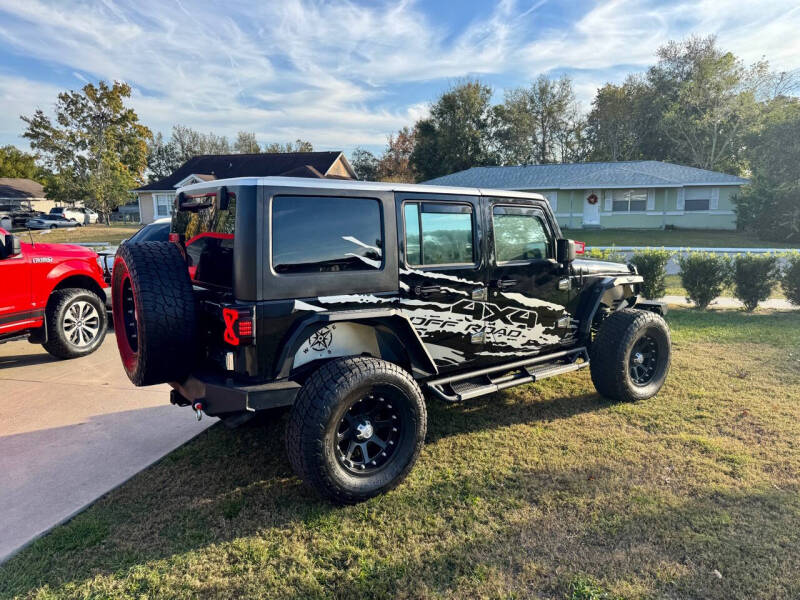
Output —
(592, 199)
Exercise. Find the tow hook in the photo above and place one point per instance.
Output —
(198, 410)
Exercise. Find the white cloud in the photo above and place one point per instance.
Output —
(21, 96)
(334, 72)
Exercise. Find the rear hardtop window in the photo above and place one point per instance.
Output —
(208, 227)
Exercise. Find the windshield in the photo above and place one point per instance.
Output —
(155, 232)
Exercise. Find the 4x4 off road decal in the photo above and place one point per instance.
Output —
(505, 326)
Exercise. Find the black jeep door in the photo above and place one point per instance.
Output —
(527, 290)
(442, 275)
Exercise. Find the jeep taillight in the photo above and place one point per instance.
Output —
(239, 325)
(580, 248)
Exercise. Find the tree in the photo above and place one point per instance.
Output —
(770, 205)
(96, 147)
(190, 143)
(611, 123)
(298, 146)
(539, 124)
(246, 143)
(715, 103)
(395, 163)
(365, 164)
(16, 163)
(163, 158)
(457, 134)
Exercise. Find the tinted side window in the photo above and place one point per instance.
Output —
(518, 234)
(438, 233)
(315, 234)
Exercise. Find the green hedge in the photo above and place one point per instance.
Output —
(754, 276)
(704, 275)
(790, 278)
(652, 266)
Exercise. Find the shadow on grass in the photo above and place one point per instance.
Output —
(228, 502)
(223, 485)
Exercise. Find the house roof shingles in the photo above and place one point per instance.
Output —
(224, 166)
(17, 188)
(639, 173)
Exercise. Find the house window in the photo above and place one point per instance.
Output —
(698, 198)
(629, 200)
(164, 204)
(438, 234)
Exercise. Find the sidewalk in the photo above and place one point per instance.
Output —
(71, 431)
(774, 303)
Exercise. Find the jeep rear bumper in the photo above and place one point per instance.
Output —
(219, 395)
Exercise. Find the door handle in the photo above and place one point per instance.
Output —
(424, 290)
(505, 284)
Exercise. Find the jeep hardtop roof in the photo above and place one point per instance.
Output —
(355, 186)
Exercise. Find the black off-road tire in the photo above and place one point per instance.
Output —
(610, 356)
(154, 312)
(59, 308)
(321, 405)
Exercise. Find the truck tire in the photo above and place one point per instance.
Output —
(630, 357)
(76, 323)
(356, 428)
(154, 312)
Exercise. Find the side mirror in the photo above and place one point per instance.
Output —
(565, 251)
(223, 199)
(11, 246)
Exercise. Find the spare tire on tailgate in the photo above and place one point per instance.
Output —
(154, 312)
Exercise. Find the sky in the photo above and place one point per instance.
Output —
(346, 74)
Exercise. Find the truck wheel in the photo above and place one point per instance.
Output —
(356, 428)
(154, 312)
(76, 323)
(630, 357)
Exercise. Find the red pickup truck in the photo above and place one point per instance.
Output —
(53, 293)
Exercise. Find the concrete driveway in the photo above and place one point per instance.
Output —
(72, 430)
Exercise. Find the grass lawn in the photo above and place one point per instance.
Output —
(544, 491)
(675, 288)
(691, 238)
(88, 233)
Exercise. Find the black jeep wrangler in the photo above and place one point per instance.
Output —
(348, 301)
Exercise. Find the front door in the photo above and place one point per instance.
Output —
(442, 281)
(528, 290)
(591, 208)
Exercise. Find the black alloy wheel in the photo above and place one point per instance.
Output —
(356, 428)
(369, 432)
(643, 360)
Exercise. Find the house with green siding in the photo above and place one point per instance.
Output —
(641, 194)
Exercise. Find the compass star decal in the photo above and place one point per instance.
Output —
(321, 339)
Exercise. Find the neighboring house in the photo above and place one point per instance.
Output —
(644, 194)
(24, 193)
(157, 199)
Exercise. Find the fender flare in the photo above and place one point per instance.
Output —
(391, 326)
(592, 299)
(70, 268)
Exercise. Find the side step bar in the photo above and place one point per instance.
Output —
(483, 381)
